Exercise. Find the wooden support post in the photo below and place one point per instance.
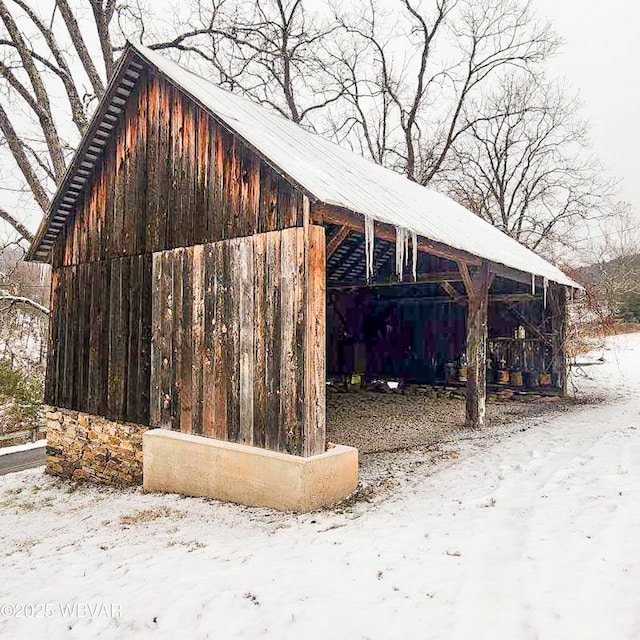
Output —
(478, 293)
(315, 368)
(558, 310)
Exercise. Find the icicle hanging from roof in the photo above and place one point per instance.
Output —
(401, 245)
(545, 284)
(533, 284)
(414, 256)
(406, 247)
(369, 238)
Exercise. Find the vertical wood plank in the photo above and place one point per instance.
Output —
(246, 323)
(104, 290)
(185, 329)
(174, 216)
(144, 366)
(288, 347)
(315, 350)
(231, 330)
(166, 340)
(202, 178)
(199, 352)
(84, 320)
(273, 342)
(157, 318)
(71, 336)
(131, 188)
(52, 353)
(209, 329)
(152, 163)
(300, 341)
(133, 338)
(140, 168)
(175, 257)
(109, 248)
(260, 356)
(119, 235)
(118, 333)
(218, 311)
(185, 175)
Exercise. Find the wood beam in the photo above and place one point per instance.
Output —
(452, 293)
(477, 347)
(436, 278)
(502, 271)
(337, 240)
(339, 215)
(466, 279)
(422, 278)
(315, 324)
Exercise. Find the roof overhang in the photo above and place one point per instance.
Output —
(88, 153)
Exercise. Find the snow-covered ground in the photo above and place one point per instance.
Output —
(534, 534)
(23, 447)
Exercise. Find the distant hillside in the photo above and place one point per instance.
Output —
(598, 273)
(615, 284)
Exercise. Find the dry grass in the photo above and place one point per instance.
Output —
(149, 515)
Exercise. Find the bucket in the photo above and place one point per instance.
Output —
(462, 374)
(503, 376)
(545, 379)
(516, 378)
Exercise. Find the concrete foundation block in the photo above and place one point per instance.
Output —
(191, 465)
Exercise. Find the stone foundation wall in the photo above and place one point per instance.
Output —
(81, 446)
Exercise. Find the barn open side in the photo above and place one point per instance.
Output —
(415, 331)
(204, 253)
(402, 343)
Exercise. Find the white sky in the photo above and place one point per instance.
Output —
(600, 59)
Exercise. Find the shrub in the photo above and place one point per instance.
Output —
(24, 392)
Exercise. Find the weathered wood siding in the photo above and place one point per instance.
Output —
(100, 337)
(238, 349)
(171, 176)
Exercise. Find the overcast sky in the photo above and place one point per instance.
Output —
(600, 58)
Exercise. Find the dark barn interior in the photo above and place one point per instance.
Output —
(416, 331)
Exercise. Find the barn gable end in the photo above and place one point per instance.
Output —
(171, 178)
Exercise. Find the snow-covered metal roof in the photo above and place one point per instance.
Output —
(337, 176)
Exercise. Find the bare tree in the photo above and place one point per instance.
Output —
(54, 63)
(523, 165)
(273, 51)
(612, 257)
(416, 75)
(43, 56)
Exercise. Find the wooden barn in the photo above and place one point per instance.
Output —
(214, 264)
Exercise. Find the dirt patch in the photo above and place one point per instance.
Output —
(377, 422)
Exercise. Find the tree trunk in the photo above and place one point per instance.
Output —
(558, 308)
